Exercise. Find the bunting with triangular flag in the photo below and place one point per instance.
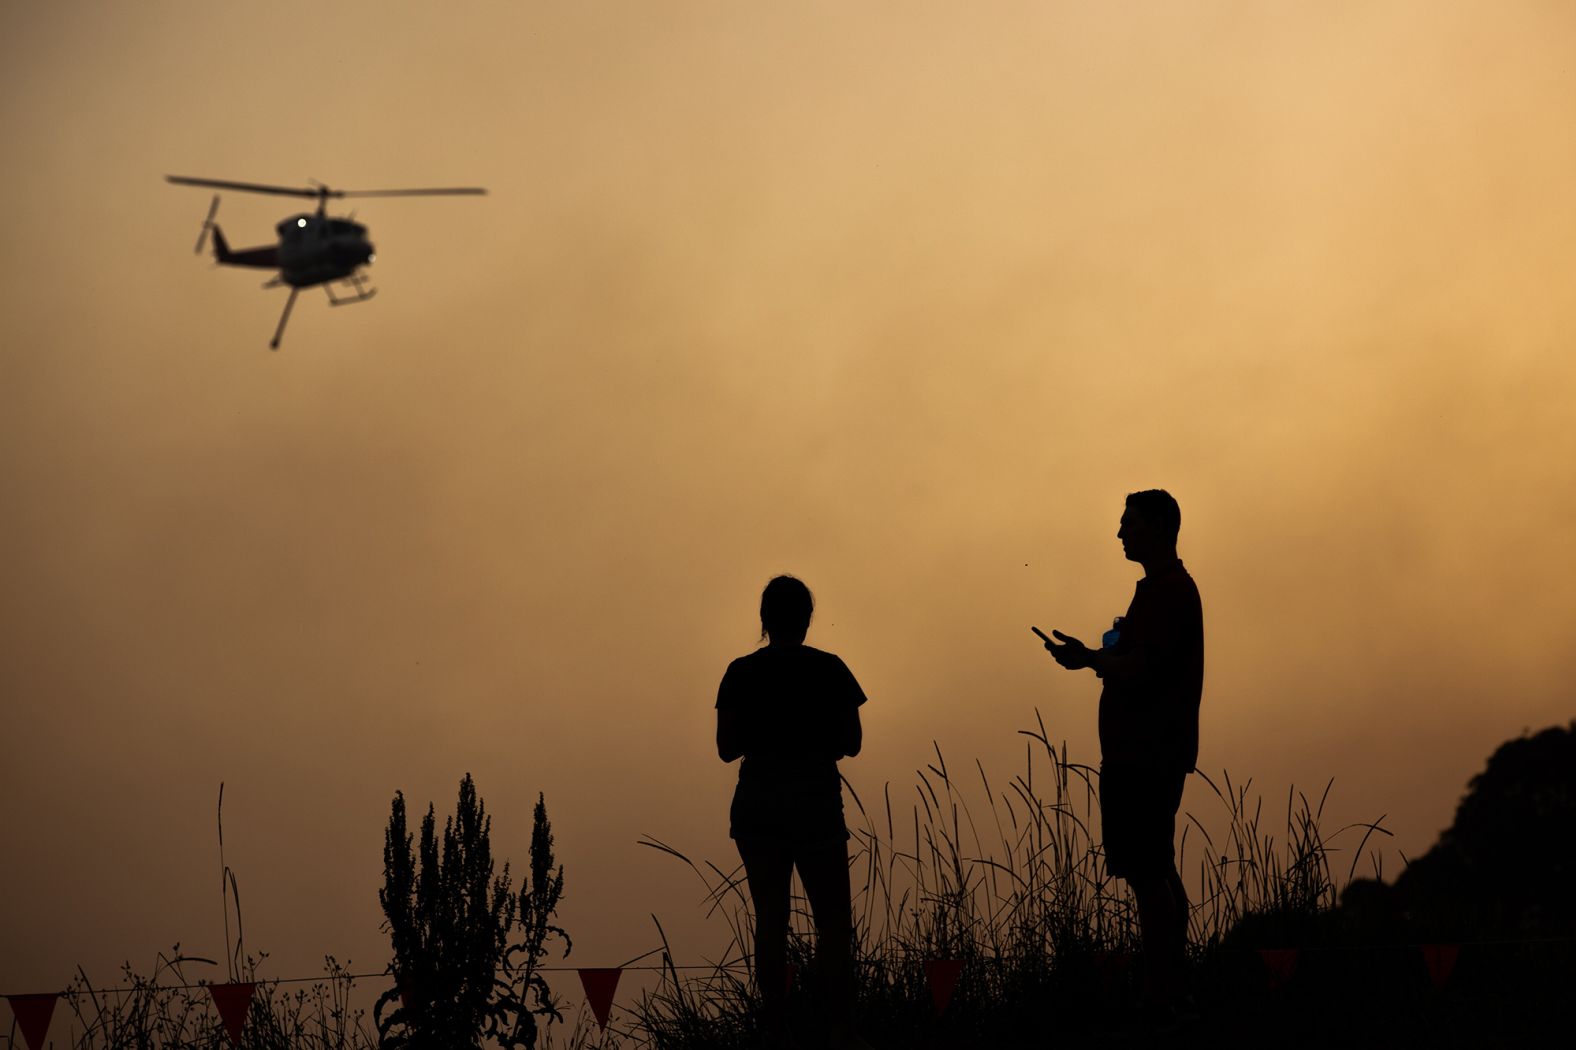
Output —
(32, 1015)
(599, 985)
(942, 976)
(1440, 960)
(232, 1001)
(1281, 963)
(1111, 964)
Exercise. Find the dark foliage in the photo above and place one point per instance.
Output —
(460, 978)
(1505, 866)
(523, 958)
(1512, 847)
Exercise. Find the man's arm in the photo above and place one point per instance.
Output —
(1171, 619)
(1106, 663)
(1071, 654)
(1127, 662)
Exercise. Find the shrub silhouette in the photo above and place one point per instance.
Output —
(460, 978)
(1507, 863)
(1505, 866)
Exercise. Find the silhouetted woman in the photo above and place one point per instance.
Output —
(792, 711)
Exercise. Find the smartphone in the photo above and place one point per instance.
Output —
(1041, 633)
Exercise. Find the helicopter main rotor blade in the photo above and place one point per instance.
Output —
(453, 191)
(246, 187)
(321, 192)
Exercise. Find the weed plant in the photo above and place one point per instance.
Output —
(467, 951)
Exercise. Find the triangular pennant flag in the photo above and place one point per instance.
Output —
(1440, 960)
(233, 1000)
(32, 1016)
(599, 985)
(1281, 964)
(1110, 964)
(790, 971)
(942, 976)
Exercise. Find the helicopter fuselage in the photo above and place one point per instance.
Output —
(312, 249)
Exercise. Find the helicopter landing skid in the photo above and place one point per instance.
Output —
(356, 281)
(283, 318)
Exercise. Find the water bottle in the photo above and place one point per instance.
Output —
(1109, 638)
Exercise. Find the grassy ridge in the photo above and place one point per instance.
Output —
(1009, 879)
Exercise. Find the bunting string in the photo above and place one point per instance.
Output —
(1424, 947)
(233, 999)
(323, 978)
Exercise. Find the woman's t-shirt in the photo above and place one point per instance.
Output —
(792, 706)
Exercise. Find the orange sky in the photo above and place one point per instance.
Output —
(895, 299)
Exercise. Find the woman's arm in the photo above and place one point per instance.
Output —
(851, 735)
(730, 734)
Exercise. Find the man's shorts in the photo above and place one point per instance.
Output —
(1138, 816)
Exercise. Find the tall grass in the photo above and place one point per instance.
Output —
(1009, 879)
(168, 1007)
(1014, 886)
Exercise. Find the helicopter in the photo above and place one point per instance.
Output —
(314, 248)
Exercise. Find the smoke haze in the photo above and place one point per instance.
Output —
(899, 300)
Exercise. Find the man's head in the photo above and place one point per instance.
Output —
(1149, 526)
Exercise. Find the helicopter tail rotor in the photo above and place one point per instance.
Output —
(207, 224)
(221, 247)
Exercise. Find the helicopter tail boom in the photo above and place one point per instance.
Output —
(262, 258)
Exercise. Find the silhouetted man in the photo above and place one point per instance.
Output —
(1153, 672)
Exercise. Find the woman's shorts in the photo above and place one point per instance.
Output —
(795, 814)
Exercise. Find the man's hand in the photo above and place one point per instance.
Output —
(1071, 654)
